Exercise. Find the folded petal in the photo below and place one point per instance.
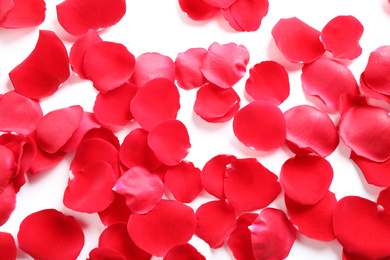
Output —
(116, 212)
(5, 7)
(375, 73)
(7, 202)
(23, 14)
(104, 134)
(7, 246)
(184, 252)
(367, 90)
(7, 167)
(105, 253)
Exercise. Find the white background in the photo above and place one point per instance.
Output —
(160, 26)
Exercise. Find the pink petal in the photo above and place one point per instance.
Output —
(108, 64)
(18, 113)
(44, 70)
(169, 224)
(24, 13)
(183, 181)
(77, 17)
(314, 221)
(260, 125)
(187, 67)
(268, 81)
(153, 65)
(7, 246)
(184, 252)
(328, 79)
(105, 253)
(220, 3)
(5, 7)
(216, 220)
(143, 190)
(272, 235)
(341, 37)
(249, 185)
(348, 101)
(297, 41)
(116, 212)
(362, 227)
(367, 90)
(384, 199)
(50, 234)
(170, 142)
(198, 10)
(306, 179)
(7, 202)
(224, 65)
(310, 130)
(155, 102)
(7, 167)
(375, 73)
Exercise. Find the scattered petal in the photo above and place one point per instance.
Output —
(198, 10)
(104, 134)
(220, 3)
(367, 90)
(6, 6)
(105, 253)
(183, 252)
(23, 14)
(375, 74)
(384, 199)
(116, 212)
(7, 203)
(7, 167)
(348, 101)
(7, 246)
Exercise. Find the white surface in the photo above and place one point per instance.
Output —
(160, 26)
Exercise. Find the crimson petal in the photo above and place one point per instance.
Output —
(116, 212)
(104, 134)
(220, 3)
(375, 74)
(50, 234)
(7, 246)
(105, 253)
(198, 10)
(384, 199)
(6, 6)
(7, 202)
(184, 252)
(24, 13)
(7, 167)
(187, 68)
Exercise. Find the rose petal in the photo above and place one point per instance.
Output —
(7, 167)
(23, 14)
(260, 125)
(104, 134)
(116, 212)
(348, 101)
(44, 70)
(224, 65)
(384, 199)
(7, 203)
(220, 3)
(297, 41)
(183, 252)
(77, 17)
(169, 224)
(7, 246)
(50, 234)
(6, 6)
(105, 253)
(349, 256)
(375, 73)
(367, 90)
(198, 10)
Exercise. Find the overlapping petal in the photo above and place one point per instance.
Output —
(184, 252)
(220, 3)
(7, 167)
(105, 253)
(7, 202)
(198, 10)
(384, 199)
(7, 246)
(116, 212)
(188, 65)
(23, 14)
(375, 73)
(6, 6)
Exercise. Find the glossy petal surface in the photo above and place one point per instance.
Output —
(240, 242)
(184, 252)
(375, 74)
(23, 14)
(7, 246)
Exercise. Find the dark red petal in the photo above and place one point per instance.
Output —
(260, 125)
(328, 79)
(77, 17)
(297, 41)
(184, 252)
(116, 212)
(225, 64)
(306, 179)
(314, 221)
(213, 174)
(143, 190)
(384, 199)
(268, 81)
(183, 181)
(341, 37)
(6, 6)
(44, 70)
(220, 3)
(170, 142)
(156, 101)
(108, 64)
(198, 10)
(113, 107)
(246, 15)
(7, 167)
(18, 113)
(50, 234)
(362, 227)
(7, 202)
(169, 224)
(272, 235)
(153, 65)
(105, 253)
(187, 67)
(117, 238)
(216, 220)
(249, 185)
(365, 130)
(310, 130)
(24, 13)
(7, 246)
(375, 73)
(90, 189)
(77, 52)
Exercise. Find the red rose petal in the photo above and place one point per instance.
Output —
(306, 179)
(384, 199)
(367, 90)
(152, 65)
(143, 190)
(104, 134)
(198, 10)
(272, 235)
(314, 221)
(216, 220)
(108, 64)
(362, 227)
(341, 37)
(24, 13)
(169, 224)
(268, 81)
(328, 79)
(183, 181)
(220, 3)
(7, 246)
(249, 185)
(156, 101)
(297, 41)
(117, 238)
(116, 212)
(50, 234)
(57, 127)
(229, 114)
(224, 65)
(260, 125)
(365, 129)
(170, 142)
(7, 167)
(18, 113)
(6, 6)
(183, 252)
(77, 17)
(375, 73)
(44, 70)
(310, 130)
(348, 101)
(105, 253)
(187, 67)
(7, 203)
(349, 256)
(90, 189)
